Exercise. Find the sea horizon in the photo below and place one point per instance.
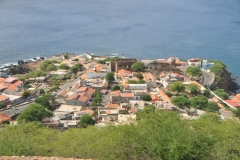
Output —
(138, 29)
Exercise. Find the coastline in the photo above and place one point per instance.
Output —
(23, 66)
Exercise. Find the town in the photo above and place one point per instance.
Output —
(71, 91)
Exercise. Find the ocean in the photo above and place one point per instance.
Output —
(137, 28)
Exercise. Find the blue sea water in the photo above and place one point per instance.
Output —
(137, 28)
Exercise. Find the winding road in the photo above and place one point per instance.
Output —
(207, 78)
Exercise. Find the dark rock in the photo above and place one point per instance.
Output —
(20, 62)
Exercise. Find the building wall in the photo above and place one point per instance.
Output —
(75, 102)
(95, 74)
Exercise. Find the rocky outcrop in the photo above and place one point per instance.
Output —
(19, 69)
(228, 82)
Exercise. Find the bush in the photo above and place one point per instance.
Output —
(138, 67)
(169, 94)
(86, 120)
(63, 66)
(221, 93)
(146, 97)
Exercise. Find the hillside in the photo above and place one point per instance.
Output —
(156, 135)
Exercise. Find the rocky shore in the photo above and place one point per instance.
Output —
(228, 82)
(21, 67)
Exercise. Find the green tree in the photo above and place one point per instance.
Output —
(212, 107)
(218, 68)
(177, 87)
(206, 93)
(146, 97)
(169, 94)
(2, 105)
(47, 101)
(44, 65)
(139, 76)
(149, 108)
(66, 56)
(42, 91)
(199, 102)
(138, 67)
(93, 104)
(115, 88)
(34, 112)
(75, 59)
(26, 94)
(74, 69)
(97, 99)
(63, 66)
(110, 76)
(193, 71)
(78, 65)
(237, 112)
(221, 93)
(181, 102)
(86, 120)
(193, 89)
(50, 67)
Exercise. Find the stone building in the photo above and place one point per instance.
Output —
(119, 64)
(161, 65)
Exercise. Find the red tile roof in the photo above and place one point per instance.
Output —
(3, 98)
(112, 105)
(2, 79)
(90, 71)
(132, 110)
(2, 86)
(9, 80)
(90, 91)
(4, 117)
(85, 94)
(82, 89)
(232, 103)
(12, 87)
(103, 91)
(128, 95)
(73, 96)
(83, 98)
(115, 93)
(75, 86)
(17, 83)
(63, 92)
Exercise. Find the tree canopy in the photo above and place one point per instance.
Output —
(156, 135)
(138, 67)
(181, 102)
(146, 97)
(63, 66)
(26, 93)
(110, 76)
(115, 88)
(221, 93)
(193, 89)
(86, 120)
(34, 112)
(139, 76)
(212, 107)
(193, 71)
(47, 65)
(199, 102)
(217, 68)
(47, 101)
(177, 87)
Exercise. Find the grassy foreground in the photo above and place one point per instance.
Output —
(157, 135)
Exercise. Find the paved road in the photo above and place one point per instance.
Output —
(15, 110)
(207, 77)
(71, 83)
